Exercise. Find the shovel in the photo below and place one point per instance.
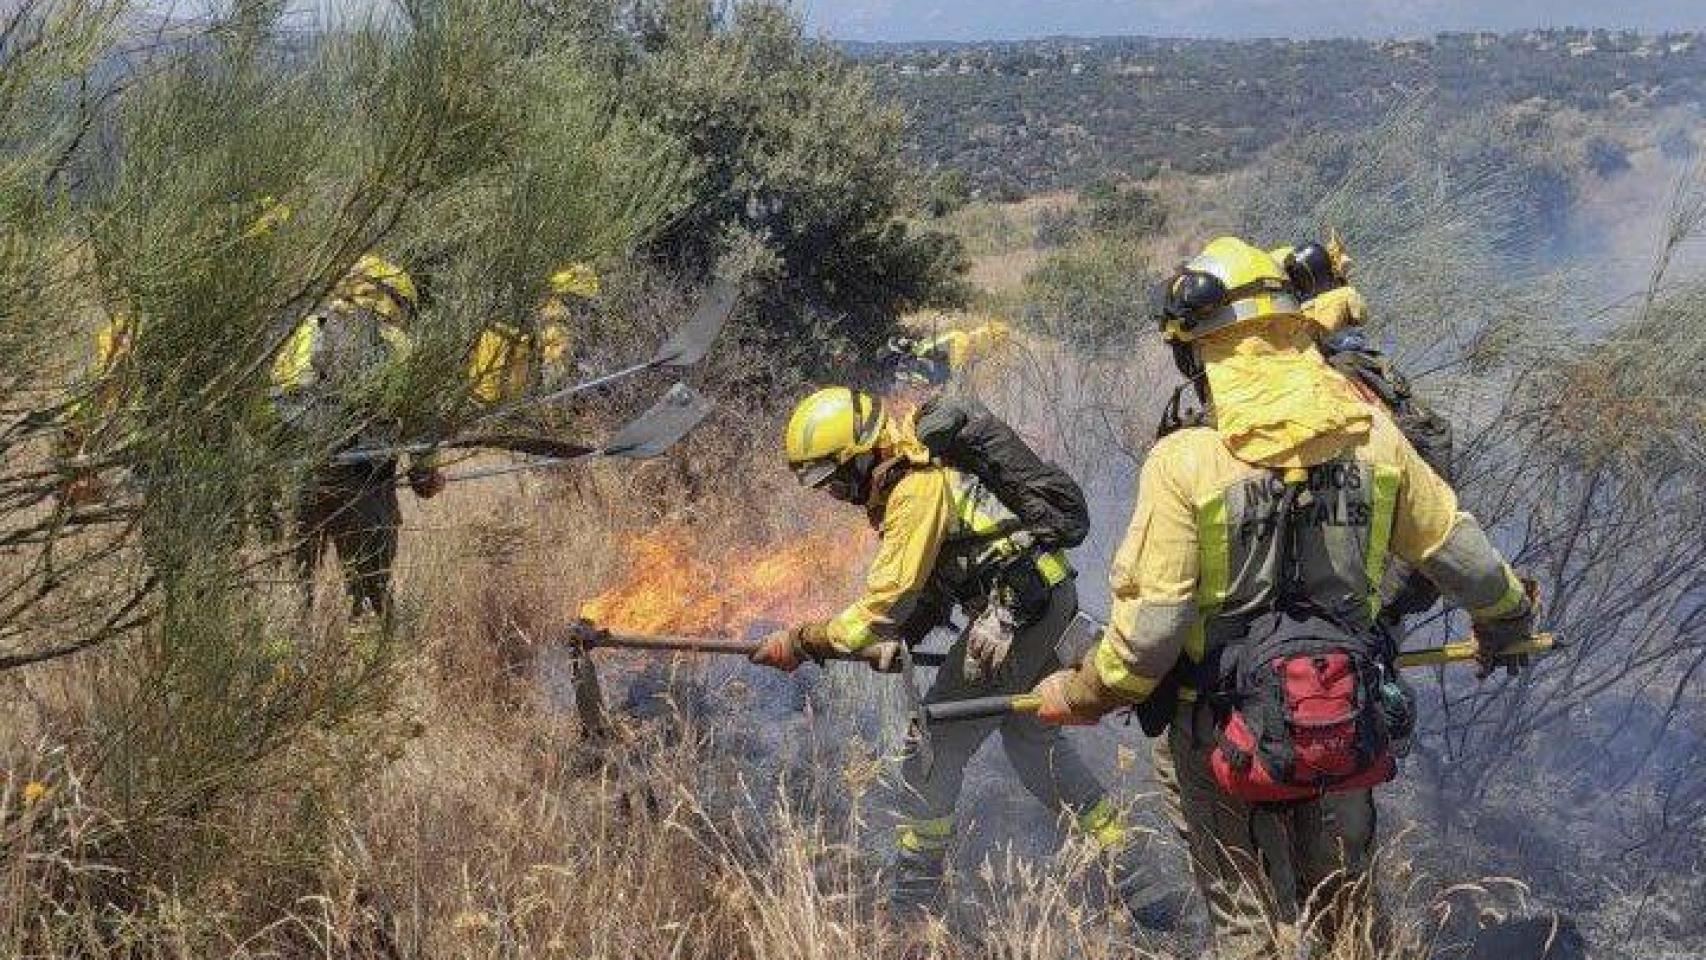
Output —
(662, 426)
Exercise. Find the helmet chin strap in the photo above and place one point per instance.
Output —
(1189, 362)
(852, 482)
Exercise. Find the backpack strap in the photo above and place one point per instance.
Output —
(1177, 416)
(1375, 372)
(884, 478)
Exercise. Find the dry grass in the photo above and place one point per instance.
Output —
(491, 827)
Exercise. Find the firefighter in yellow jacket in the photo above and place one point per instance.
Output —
(935, 361)
(510, 361)
(323, 380)
(94, 417)
(1321, 276)
(1210, 565)
(944, 544)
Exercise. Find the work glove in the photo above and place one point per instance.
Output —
(1494, 636)
(426, 483)
(883, 656)
(1063, 704)
(787, 649)
(780, 650)
(989, 639)
(1015, 544)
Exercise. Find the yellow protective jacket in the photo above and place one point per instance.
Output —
(1197, 562)
(103, 391)
(959, 348)
(1337, 309)
(294, 366)
(935, 525)
(508, 362)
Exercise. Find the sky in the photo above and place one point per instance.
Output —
(915, 20)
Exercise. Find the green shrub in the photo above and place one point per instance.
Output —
(797, 174)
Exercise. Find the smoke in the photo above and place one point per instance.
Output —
(1616, 229)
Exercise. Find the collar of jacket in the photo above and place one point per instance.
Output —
(898, 454)
(1277, 403)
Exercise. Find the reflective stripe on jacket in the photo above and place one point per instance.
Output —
(936, 527)
(1199, 556)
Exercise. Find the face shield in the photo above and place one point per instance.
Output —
(848, 482)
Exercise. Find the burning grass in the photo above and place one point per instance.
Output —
(492, 827)
(675, 579)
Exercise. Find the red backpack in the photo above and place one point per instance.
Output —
(1306, 704)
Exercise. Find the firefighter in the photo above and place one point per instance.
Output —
(325, 380)
(1320, 274)
(93, 417)
(934, 362)
(1248, 575)
(510, 361)
(944, 544)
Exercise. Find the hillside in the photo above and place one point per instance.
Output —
(1019, 118)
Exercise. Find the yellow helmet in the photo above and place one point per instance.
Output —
(381, 286)
(1228, 283)
(829, 428)
(576, 280)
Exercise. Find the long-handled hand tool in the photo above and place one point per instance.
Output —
(980, 708)
(587, 635)
(685, 347)
(662, 426)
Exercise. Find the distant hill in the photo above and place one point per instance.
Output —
(1028, 116)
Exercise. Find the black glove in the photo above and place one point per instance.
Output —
(1495, 636)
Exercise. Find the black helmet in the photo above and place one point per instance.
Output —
(1310, 268)
(1188, 298)
(1228, 283)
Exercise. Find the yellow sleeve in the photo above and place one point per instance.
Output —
(1154, 586)
(295, 359)
(484, 365)
(1448, 546)
(1426, 511)
(920, 513)
(554, 344)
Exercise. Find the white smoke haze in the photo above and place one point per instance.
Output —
(963, 20)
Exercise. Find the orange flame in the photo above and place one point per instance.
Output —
(672, 583)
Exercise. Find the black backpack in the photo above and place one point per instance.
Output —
(962, 433)
(1349, 353)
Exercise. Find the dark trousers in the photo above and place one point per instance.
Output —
(353, 510)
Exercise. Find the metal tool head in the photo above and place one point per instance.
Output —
(662, 426)
(583, 634)
(689, 344)
(918, 720)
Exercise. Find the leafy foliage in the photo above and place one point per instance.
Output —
(798, 174)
